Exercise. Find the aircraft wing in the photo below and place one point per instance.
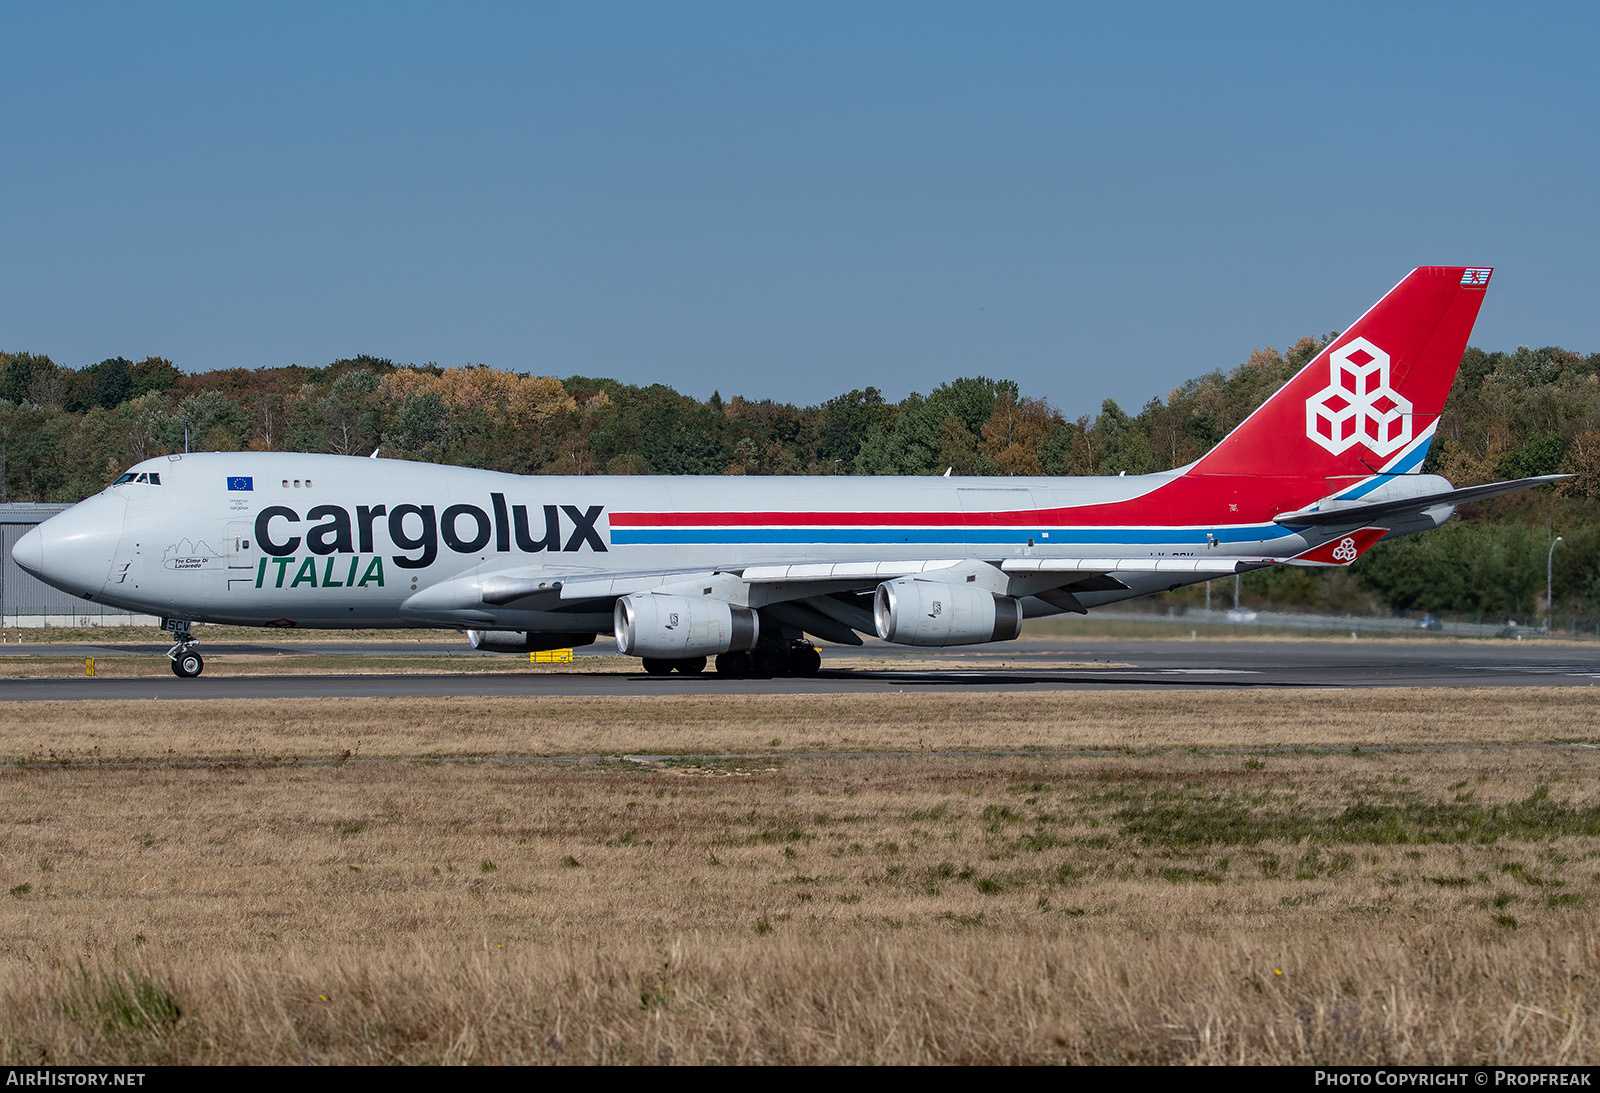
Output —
(824, 598)
(1359, 514)
(544, 589)
(1201, 567)
(830, 572)
(821, 598)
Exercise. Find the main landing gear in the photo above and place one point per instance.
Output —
(790, 658)
(186, 662)
(779, 658)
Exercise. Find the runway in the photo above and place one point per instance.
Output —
(1022, 667)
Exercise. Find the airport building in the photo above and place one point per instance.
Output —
(27, 602)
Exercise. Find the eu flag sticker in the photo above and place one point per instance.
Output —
(247, 484)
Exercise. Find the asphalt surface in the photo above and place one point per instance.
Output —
(1020, 667)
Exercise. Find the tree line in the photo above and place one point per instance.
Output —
(67, 432)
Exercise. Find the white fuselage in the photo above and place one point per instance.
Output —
(333, 541)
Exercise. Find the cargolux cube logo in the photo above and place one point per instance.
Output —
(1359, 406)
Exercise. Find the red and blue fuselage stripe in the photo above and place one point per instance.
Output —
(626, 533)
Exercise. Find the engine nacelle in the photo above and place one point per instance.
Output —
(523, 641)
(648, 624)
(913, 612)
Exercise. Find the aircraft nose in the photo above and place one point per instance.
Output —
(73, 550)
(29, 552)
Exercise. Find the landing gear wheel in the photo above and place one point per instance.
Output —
(770, 662)
(657, 667)
(804, 660)
(693, 666)
(186, 663)
(733, 664)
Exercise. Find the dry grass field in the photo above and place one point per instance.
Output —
(1244, 876)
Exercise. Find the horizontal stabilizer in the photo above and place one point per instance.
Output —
(1366, 514)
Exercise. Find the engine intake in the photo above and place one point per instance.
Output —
(648, 624)
(913, 612)
(524, 641)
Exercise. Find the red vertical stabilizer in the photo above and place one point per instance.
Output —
(1371, 399)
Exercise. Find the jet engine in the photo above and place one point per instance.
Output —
(523, 641)
(913, 612)
(648, 624)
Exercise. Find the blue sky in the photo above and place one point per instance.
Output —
(786, 201)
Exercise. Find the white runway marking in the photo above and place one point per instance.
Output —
(1209, 672)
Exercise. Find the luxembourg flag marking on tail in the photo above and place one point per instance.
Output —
(1476, 278)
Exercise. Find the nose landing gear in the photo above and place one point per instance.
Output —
(186, 662)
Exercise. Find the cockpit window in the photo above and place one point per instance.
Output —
(152, 478)
(121, 478)
(155, 479)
